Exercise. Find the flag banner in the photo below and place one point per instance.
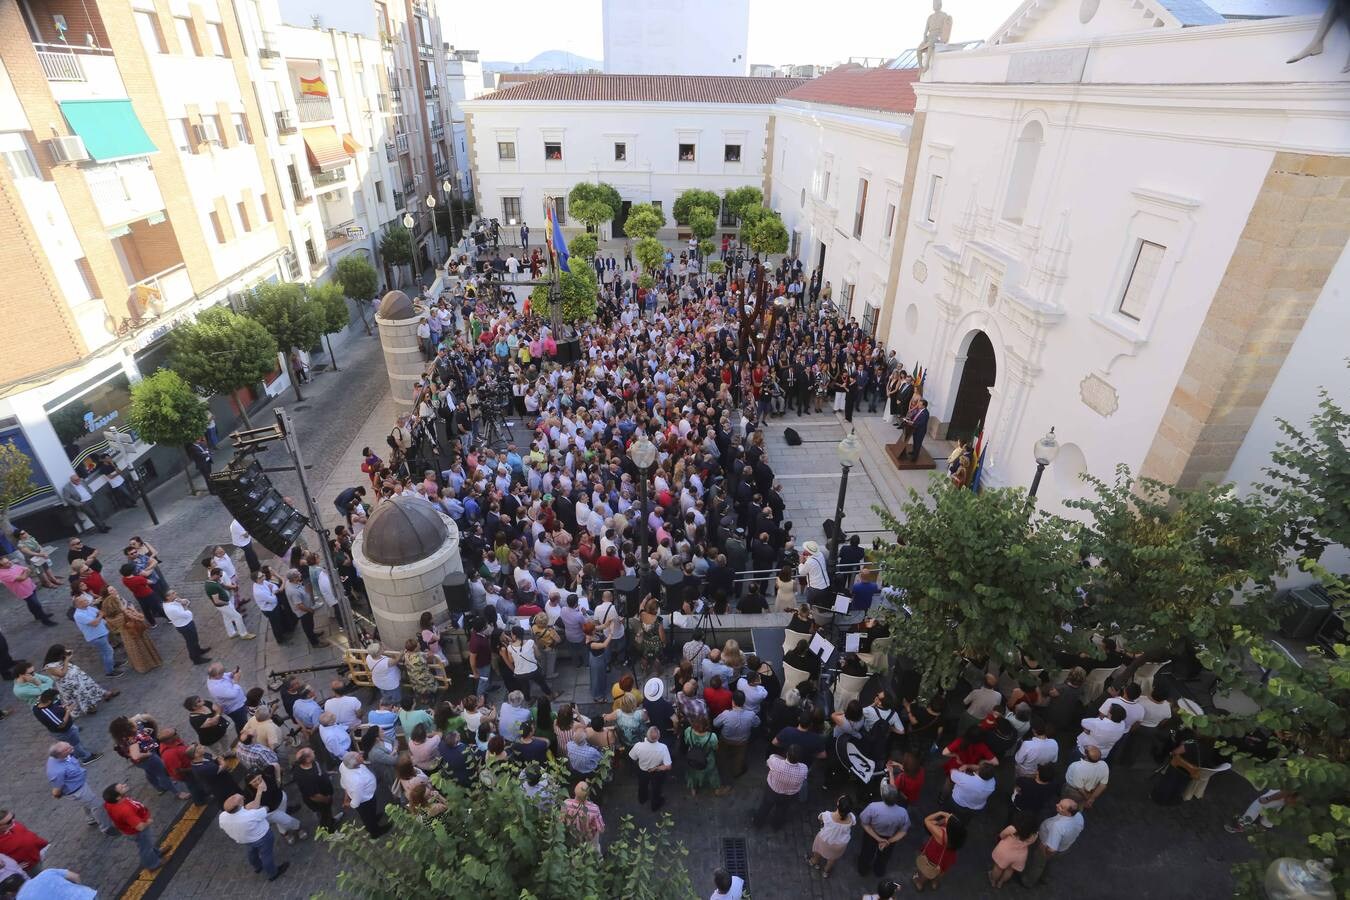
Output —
(313, 87)
(557, 246)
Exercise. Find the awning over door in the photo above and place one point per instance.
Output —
(109, 128)
(325, 149)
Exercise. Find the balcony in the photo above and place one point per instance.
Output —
(285, 122)
(437, 131)
(151, 297)
(61, 62)
(424, 51)
(339, 237)
(433, 91)
(268, 54)
(124, 191)
(382, 100)
(336, 178)
(409, 187)
(390, 152)
(386, 40)
(298, 190)
(314, 109)
(442, 170)
(397, 93)
(398, 199)
(401, 142)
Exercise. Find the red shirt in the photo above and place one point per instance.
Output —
(94, 581)
(609, 567)
(910, 785)
(22, 846)
(966, 755)
(939, 854)
(139, 586)
(176, 758)
(718, 701)
(126, 814)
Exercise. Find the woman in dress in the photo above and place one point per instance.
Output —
(141, 651)
(135, 740)
(651, 638)
(1010, 855)
(430, 636)
(30, 684)
(836, 827)
(946, 835)
(79, 693)
(407, 776)
(417, 672)
(631, 721)
(700, 744)
(597, 645)
(785, 590)
(39, 563)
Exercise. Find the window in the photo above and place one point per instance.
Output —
(506, 150)
(560, 209)
(846, 299)
(801, 204)
(215, 36)
(212, 125)
(217, 227)
(1028, 153)
(869, 322)
(187, 38)
(242, 207)
(934, 198)
(825, 185)
(620, 152)
(241, 128)
(686, 153)
(311, 252)
(860, 211)
(178, 130)
(657, 205)
(379, 191)
(147, 23)
(552, 150)
(890, 220)
(267, 207)
(1143, 273)
(511, 210)
(728, 218)
(17, 157)
(731, 153)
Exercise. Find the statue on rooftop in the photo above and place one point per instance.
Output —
(1336, 9)
(937, 31)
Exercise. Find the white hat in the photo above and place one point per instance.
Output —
(811, 547)
(653, 689)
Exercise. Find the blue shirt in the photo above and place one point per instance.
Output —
(510, 721)
(51, 884)
(91, 629)
(66, 774)
(864, 592)
(583, 758)
(386, 719)
(307, 712)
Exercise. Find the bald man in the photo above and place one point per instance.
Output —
(246, 823)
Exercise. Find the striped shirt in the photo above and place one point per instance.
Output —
(785, 777)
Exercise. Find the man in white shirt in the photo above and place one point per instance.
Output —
(1157, 710)
(728, 886)
(1102, 732)
(1057, 834)
(336, 738)
(346, 708)
(971, 788)
(755, 693)
(607, 614)
(1086, 779)
(812, 568)
(653, 759)
(1037, 749)
(358, 783)
(384, 672)
(222, 687)
(1128, 700)
(246, 823)
(176, 608)
(240, 537)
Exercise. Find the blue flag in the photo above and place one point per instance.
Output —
(558, 245)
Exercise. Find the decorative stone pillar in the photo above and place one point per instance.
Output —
(406, 551)
(398, 321)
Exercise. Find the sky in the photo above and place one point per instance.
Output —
(781, 31)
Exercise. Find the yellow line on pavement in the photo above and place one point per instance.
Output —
(145, 879)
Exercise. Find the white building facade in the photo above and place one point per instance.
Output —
(1120, 220)
(676, 37)
(652, 138)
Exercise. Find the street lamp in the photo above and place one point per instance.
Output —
(463, 205)
(435, 232)
(643, 455)
(1045, 451)
(849, 452)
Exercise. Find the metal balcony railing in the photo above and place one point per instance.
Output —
(390, 152)
(328, 179)
(314, 109)
(285, 123)
(59, 66)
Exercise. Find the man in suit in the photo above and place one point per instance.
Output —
(918, 427)
(906, 395)
(524, 235)
(80, 502)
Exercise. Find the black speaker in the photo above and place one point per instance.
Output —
(1305, 610)
(456, 589)
(792, 437)
(247, 493)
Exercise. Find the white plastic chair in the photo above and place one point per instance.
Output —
(1146, 673)
(878, 660)
(1195, 790)
(792, 676)
(848, 688)
(1095, 685)
(792, 638)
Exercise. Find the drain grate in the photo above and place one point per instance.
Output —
(735, 858)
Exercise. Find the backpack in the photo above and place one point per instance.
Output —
(696, 756)
(876, 738)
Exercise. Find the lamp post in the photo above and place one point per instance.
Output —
(409, 223)
(643, 454)
(849, 451)
(463, 200)
(1046, 449)
(435, 232)
(448, 188)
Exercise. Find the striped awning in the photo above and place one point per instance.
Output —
(325, 149)
(350, 145)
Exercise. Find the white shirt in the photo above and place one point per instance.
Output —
(1087, 776)
(970, 790)
(1058, 832)
(224, 691)
(347, 710)
(239, 536)
(265, 595)
(872, 715)
(359, 783)
(981, 701)
(524, 658)
(226, 566)
(178, 614)
(383, 673)
(813, 567)
(650, 755)
(755, 694)
(1134, 711)
(244, 826)
(735, 892)
(1100, 733)
(336, 738)
(1033, 752)
(1156, 712)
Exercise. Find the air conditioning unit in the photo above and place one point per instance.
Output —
(67, 149)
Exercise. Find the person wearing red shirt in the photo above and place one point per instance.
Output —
(20, 844)
(967, 750)
(177, 757)
(716, 696)
(132, 819)
(609, 566)
(145, 596)
(908, 777)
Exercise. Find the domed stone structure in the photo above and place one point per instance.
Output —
(398, 319)
(406, 552)
(403, 531)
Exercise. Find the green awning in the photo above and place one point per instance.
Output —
(109, 128)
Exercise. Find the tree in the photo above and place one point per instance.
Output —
(703, 224)
(694, 199)
(707, 248)
(594, 203)
(333, 310)
(359, 281)
(223, 353)
(651, 255)
(583, 246)
(1170, 563)
(396, 246)
(165, 410)
(767, 234)
(644, 220)
(580, 292)
(291, 319)
(984, 576)
(740, 199)
(512, 846)
(717, 267)
(646, 281)
(16, 480)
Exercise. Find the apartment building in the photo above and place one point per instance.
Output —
(136, 191)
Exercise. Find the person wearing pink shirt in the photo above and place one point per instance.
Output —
(20, 584)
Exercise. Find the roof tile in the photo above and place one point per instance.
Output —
(888, 90)
(651, 88)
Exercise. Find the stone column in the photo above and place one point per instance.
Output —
(400, 594)
(403, 359)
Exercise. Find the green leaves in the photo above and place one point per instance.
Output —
(594, 203)
(644, 220)
(165, 409)
(650, 254)
(287, 314)
(580, 293)
(583, 246)
(331, 303)
(222, 351)
(16, 475)
(396, 245)
(358, 277)
(743, 198)
(765, 233)
(703, 224)
(690, 201)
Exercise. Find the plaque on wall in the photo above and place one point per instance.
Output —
(920, 271)
(1099, 396)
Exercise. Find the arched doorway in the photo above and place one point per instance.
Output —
(972, 395)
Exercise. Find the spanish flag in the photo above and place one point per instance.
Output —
(979, 465)
(313, 87)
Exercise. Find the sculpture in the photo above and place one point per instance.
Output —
(1336, 9)
(937, 30)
